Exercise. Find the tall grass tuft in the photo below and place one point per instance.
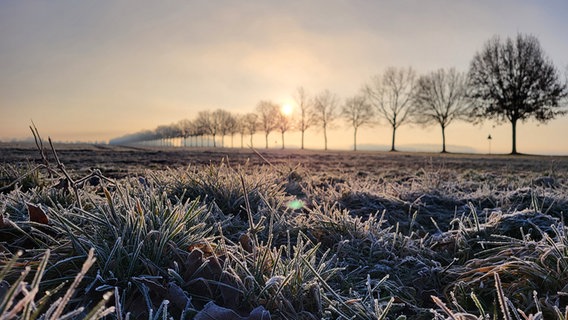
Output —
(19, 299)
(137, 236)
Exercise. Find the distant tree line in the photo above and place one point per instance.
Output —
(508, 80)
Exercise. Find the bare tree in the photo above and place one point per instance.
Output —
(240, 127)
(250, 122)
(221, 120)
(200, 132)
(284, 123)
(161, 132)
(305, 106)
(325, 111)
(165, 133)
(232, 126)
(513, 80)
(197, 133)
(207, 124)
(186, 129)
(441, 98)
(357, 112)
(392, 96)
(268, 112)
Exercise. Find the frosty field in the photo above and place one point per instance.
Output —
(281, 234)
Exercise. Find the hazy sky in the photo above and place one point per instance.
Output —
(94, 70)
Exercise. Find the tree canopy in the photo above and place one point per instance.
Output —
(513, 80)
(325, 111)
(441, 98)
(392, 94)
(357, 111)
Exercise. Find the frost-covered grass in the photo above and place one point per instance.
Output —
(283, 241)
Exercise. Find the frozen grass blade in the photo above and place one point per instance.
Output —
(501, 296)
(478, 305)
(26, 306)
(444, 308)
(63, 301)
(37, 281)
(17, 287)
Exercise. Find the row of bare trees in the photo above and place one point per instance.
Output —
(397, 97)
(510, 80)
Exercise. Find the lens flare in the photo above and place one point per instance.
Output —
(295, 204)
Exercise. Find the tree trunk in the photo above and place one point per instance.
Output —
(303, 139)
(514, 126)
(325, 138)
(355, 139)
(267, 140)
(242, 140)
(444, 139)
(251, 145)
(393, 138)
(282, 140)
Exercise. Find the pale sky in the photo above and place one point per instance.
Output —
(94, 70)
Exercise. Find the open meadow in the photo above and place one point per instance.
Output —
(211, 233)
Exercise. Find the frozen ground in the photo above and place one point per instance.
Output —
(297, 234)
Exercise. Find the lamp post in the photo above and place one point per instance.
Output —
(489, 138)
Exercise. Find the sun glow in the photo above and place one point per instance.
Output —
(287, 109)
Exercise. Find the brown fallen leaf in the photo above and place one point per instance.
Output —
(246, 242)
(37, 214)
(204, 246)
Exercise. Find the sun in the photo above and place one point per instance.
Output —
(287, 109)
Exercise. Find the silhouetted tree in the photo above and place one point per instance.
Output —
(284, 123)
(513, 80)
(207, 125)
(161, 133)
(325, 111)
(221, 120)
(200, 132)
(267, 113)
(229, 125)
(305, 107)
(357, 112)
(196, 134)
(167, 132)
(391, 94)
(186, 129)
(250, 122)
(441, 98)
(240, 127)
